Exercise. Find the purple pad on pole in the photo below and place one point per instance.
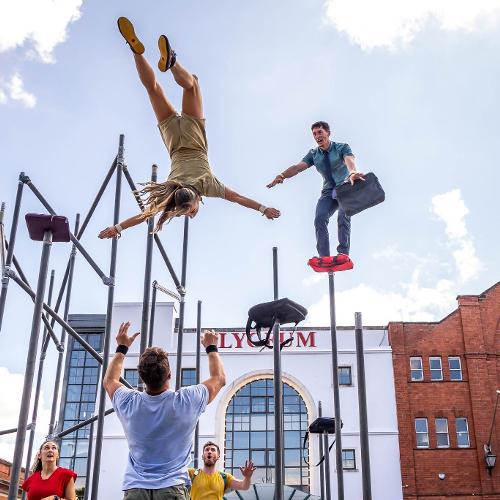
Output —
(39, 223)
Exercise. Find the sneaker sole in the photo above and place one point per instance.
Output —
(127, 31)
(165, 49)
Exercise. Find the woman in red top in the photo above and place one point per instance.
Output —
(48, 481)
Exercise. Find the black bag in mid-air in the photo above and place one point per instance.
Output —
(361, 195)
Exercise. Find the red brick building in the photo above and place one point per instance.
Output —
(5, 470)
(446, 376)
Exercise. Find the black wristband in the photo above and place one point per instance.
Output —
(211, 348)
(122, 348)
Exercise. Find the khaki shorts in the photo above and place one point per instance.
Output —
(186, 133)
(179, 492)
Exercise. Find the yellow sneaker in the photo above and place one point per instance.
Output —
(127, 30)
(167, 55)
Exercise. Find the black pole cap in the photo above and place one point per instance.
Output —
(39, 223)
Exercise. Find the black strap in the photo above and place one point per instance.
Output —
(265, 342)
(306, 437)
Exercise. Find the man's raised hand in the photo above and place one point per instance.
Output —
(249, 469)
(122, 337)
(210, 338)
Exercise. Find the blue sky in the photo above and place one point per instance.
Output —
(411, 86)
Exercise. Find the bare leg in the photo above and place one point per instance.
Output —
(162, 107)
(192, 104)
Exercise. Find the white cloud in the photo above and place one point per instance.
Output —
(451, 209)
(10, 402)
(44, 23)
(413, 302)
(393, 23)
(17, 93)
(3, 97)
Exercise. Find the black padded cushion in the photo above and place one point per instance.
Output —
(39, 223)
(284, 310)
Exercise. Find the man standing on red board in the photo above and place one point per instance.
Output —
(335, 162)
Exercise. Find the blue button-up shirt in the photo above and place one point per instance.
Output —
(330, 164)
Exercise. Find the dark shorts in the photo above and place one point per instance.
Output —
(179, 492)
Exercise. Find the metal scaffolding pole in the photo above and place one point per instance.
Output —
(38, 387)
(198, 364)
(363, 410)
(147, 281)
(107, 331)
(182, 291)
(2, 237)
(30, 366)
(10, 251)
(336, 392)
(59, 369)
(278, 394)
(105, 279)
(158, 242)
(152, 315)
(322, 466)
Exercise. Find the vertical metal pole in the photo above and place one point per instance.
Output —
(38, 387)
(60, 358)
(107, 331)
(336, 392)
(2, 237)
(182, 293)
(198, 364)
(89, 462)
(12, 241)
(147, 281)
(30, 367)
(363, 411)
(322, 466)
(152, 317)
(326, 447)
(278, 394)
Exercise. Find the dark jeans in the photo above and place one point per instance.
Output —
(325, 208)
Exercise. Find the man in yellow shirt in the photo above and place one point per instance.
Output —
(210, 484)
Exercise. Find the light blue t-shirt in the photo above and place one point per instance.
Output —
(160, 431)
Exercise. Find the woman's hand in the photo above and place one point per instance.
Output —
(271, 213)
(109, 232)
(354, 176)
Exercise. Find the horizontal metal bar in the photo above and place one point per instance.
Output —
(166, 291)
(83, 424)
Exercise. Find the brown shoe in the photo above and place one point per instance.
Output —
(127, 30)
(167, 55)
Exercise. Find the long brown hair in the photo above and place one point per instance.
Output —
(37, 464)
(170, 198)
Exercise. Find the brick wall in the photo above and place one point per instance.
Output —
(5, 471)
(471, 332)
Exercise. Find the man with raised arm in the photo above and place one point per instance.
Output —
(336, 164)
(159, 423)
(208, 483)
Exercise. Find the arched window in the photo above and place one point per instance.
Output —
(250, 433)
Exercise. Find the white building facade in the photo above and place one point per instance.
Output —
(241, 418)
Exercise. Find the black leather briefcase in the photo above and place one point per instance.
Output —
(361, 195)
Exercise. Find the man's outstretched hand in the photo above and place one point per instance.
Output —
(277, 180)
(122, 337)
(272, 213)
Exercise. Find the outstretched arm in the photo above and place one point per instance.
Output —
(270, 213)
(354, 175)
(111, 381)
(112, 231)
(247, 472)
(289, 172)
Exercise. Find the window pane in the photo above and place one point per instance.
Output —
(422, 441)
(345, 375)
(292, 457)
(416, 363)
(435, 363)
(442, 438)
(292, 476)
(421, 424)
(258, 439)
(241, 440)
(259, 458)
(441, 425)
(462, 433)
(348, 459)
(454, 363)
(258, 422)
